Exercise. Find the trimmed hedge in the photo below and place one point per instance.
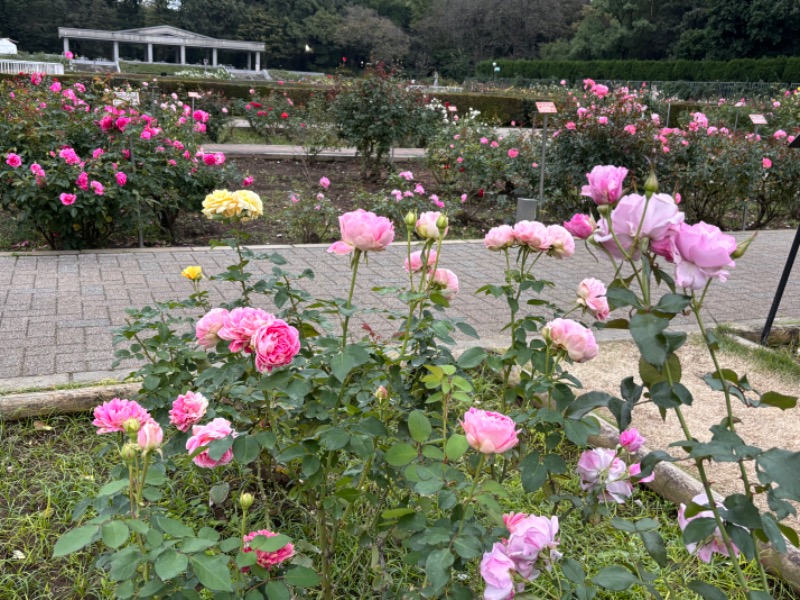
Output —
(783, 69)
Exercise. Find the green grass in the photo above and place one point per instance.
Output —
(781, 361)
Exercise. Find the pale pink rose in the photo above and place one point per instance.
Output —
(499, 238)
(635, 470)
(398, 195)
(512, 520)
(407, 175)
(187, 410)
(208, 326)
(247, 181)
(203, 435)
(484, 141)
(239, 326)
(601, 470)
(631, 440)
(494, 144)
(325, 182)
(110, 416)
(496, 569)
(416, 260)
(532, 234)
(630, 129)
(572, 337)
(13, 160)
(562, 245)
(150, 436)
(581, 226)
(591, 294)
(533, 543)
(605, 184)
(426, 225)
(275, 344)
(513, 153)
(446, 282)
(122, 179)
(68, 199)
(489, 432)
(571, 125)
(713, 543)
(600, 90)
(362, 230)
(264, 559)
(419, 189)
(766, 163)
(602, 120)
(703, 252)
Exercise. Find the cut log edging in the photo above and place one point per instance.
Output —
(35, 404)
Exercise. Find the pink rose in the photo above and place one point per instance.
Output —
(150, 436)
(571, 337)
(766, 163)
(69, 55)
(325, 182)
(561, 243)
(70, 156)
(581, 226)
(426, 225)
(602, 120)
(630, 129)
(703, 252)
(600, 469)
(13, 160)
(200, 116)
(484, 141)
(208, 326)
(247, 181)
(532, 234)
(55, 87)
(714, 542)
(97, 153)
(489, 432)
(499, 237)
(636, 469)
(416, 261)
(600, 90)
(264, 559)
(496, 569)
(98, 188)
(122, 179)
(68, 199)
(446, 282)
(571, 125)
(605, 184)
(110, 416)
(187, 410)
(592, 295)
(239, 326)
(203, 435)
(37, 170)
(362, 230)
(631, 440)
(513, 153)
(533, 541)
(275, 343)
(208, 159)
(121, 123)
(407, 175)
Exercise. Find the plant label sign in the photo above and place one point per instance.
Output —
(131, 98)
(757, 119)
(194, 95)
(547, 108)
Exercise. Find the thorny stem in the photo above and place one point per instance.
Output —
(242, 262)
(475, 478)
(354, 263)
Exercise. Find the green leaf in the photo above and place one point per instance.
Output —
(532, 473)
(75, 539)
(246, 449)
(113, 487)
(706, 590)
(778, 400)
(673, 303)
(471, 358)
(400, 455)
(650, 375)
(171, 563)
(437, 567)
(467, 329)
(616, 579)
(302, 577)
(468, 547)
(213, 572)
(219, 493)
(174, 528)
(586, 403)
(190, 545)
(647, 331)
(269, 544)
(456, 447)
(699, 529)
(219, 447)
(573, 570)
(276, 590)
(419, 426)
(334, 438)
(740, 509)
(781, 468)
(115, 533)
(394, 513)
(341, 365)
(654, 544)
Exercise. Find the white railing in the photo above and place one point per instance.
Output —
(24, 66)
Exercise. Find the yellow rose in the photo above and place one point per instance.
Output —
(193, 273)
(249, 202)
(243, 204)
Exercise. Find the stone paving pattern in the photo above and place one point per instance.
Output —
(58, 310)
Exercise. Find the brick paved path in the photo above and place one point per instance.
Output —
(57, 310)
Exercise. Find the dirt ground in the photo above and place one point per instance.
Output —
(762, 427)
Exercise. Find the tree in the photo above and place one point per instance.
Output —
(367, 36)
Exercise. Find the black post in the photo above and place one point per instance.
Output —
(776, 302)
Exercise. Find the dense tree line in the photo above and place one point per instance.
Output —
(450, 36)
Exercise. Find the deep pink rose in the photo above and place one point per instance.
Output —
(489, 432)
(264, 559)
(580, 225)
(426, 225)
(68, 199)
(83, 181)
(600, 469)
(203, 435)
(275, 344)
(122, 179)
(572, 337)
(446, 282)
(713, 543)
(13, 160)
(499, 237)
(200, 115)
(208, 326)
(187, 410)
(416, 260)
(110, 416)
(605, 184)
(209, 159)
(362, 230)
(37, 170)
(513, 153)
(532, 234)
(247, 182)
(703, 252)
(631, 440)
(562, 245)
(239, 326)
(496, 569)
(98, 188)
(150, 436)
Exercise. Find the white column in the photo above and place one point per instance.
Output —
(214, 57)
(149, 53)
(258, 61)
(249, 61)
(66, 45)
(183, 55)
(116, 51)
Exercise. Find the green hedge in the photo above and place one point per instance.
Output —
(781, 69)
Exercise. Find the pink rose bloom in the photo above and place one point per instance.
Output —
(631, 440)
(416, 261)
(532, 540)
(703, 252)
(98, 188)
(661, 218)
(602, 120)
(264, 559)
(592, 295)
(419, 189)
(581, 226)
(570, 125)
(398, 195)
(208, 326)
(635, 470)
(513, 153)
(122, 179)
(489, 432)
(69, 55)
(69, 155)
(766, 163)
(601, 469)
(496, 569)
(110, 416)
(55, 87)
(494, 144)
(605, 184)
(446, 282)
(83, 181)
(37, 170)
(630, 129)
(200, 115)
(98, 152)
(713, 543)
(426, 225)
(532, 234)
(200, 127)
(362, 230)
(247, 181)
(572, 337)
(208, 159)
(203, 435)
(187, 410)
(484, 141)
(407, 175)
(600, 90)
(275, 344)
(499, 238)
(36, 78)
(126, 153)
(150, 436)
(562, 245)
(13, 160)
(239, 326)
(121, 123)
(68, 199)
(325, 182)
(106, 123)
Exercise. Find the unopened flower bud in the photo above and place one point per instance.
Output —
(651, 183)
(246, 501)
(742, 248)
(381, 393)
(441, 223)
(411, 218)
(604, 209)
(131, 426)
(129, 452)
